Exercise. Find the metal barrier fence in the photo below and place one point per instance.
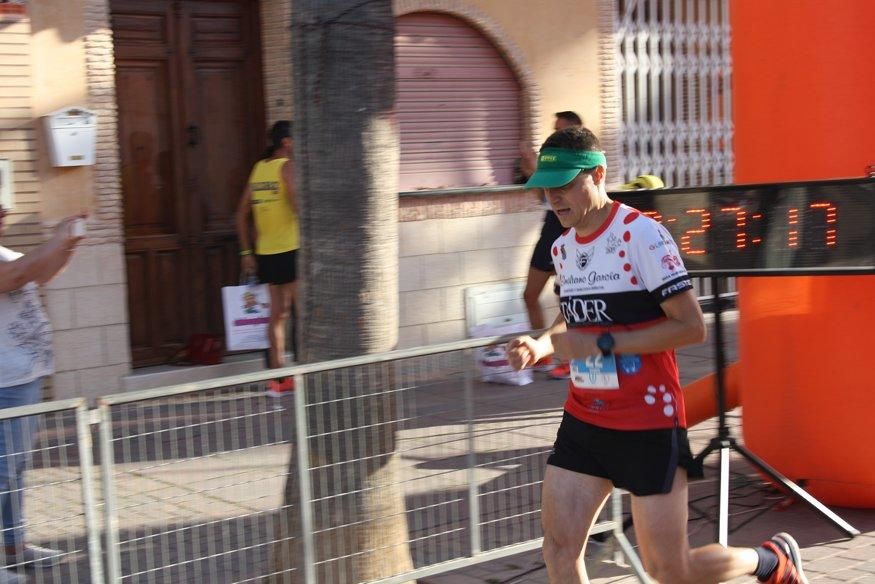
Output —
(193, 479)
(46, 460)
(384, 468)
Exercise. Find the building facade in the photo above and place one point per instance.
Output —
(184, 89)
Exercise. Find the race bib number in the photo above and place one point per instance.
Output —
(595, 372)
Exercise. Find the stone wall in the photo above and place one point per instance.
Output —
(450, 242)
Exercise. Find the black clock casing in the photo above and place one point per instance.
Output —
(817, 227)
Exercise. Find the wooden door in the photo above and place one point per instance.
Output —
(191, 123)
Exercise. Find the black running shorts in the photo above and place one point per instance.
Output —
(277, 268)
(542, 259)
(643, 462)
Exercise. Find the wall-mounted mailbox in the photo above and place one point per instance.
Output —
(71, 134)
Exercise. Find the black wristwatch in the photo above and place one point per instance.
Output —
(605, 343)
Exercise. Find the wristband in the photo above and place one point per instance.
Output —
(245, 252)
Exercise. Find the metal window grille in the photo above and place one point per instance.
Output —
(671, 80)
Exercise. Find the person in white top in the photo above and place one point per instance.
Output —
(26, 358)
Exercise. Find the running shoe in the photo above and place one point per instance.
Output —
(280, 387)
(560, 371)
(544, 365)
(789, 570)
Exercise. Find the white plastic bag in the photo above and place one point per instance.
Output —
(247, 313)
(492, 360)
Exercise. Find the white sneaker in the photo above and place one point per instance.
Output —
(7, 577)
(34, 556)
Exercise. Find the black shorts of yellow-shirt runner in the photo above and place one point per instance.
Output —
(643, 462)
(277, 268)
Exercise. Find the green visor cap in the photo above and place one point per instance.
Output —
(558, 166)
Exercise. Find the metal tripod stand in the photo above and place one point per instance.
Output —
(724, 442)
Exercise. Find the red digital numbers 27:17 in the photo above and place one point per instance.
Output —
(745, 224)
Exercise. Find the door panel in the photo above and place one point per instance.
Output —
(220, 263)
(135, 265)
(154, 218)
(190, 126)
(221, 155)
(170, 306)
(146, 150)
(220, 102)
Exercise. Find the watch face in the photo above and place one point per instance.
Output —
(605, 342)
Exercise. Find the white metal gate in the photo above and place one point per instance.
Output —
(667, 100)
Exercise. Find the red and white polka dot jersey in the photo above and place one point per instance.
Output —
(613, 280)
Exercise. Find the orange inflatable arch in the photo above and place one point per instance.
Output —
(700, 399)
(807, 382)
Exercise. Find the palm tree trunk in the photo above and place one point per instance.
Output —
(346, 166)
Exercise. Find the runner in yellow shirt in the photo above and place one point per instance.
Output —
(269, 198)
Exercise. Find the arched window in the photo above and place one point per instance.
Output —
(458, 105)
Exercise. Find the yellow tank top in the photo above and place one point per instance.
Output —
(276, 223)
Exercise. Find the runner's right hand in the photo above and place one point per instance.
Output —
(523, 352)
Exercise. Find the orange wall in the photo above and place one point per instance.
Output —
(803, 88)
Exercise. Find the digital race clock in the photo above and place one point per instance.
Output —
(823, 227)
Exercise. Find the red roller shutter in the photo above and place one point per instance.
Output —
(458, 105)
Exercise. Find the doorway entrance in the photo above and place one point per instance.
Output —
(190, 125)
